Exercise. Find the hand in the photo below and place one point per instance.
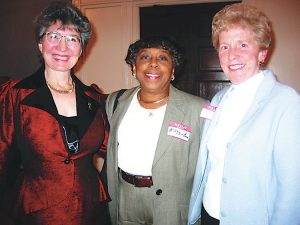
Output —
(98, 162)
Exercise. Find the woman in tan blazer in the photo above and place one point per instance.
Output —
(154, 140)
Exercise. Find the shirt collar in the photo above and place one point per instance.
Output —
(249, 85)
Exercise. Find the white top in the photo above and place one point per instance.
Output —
(138, 135)
(235, 102)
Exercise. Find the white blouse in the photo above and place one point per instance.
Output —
(137, 136)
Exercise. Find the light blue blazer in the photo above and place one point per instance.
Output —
(261, 176)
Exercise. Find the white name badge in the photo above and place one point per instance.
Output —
(208, 111)
(179, 131)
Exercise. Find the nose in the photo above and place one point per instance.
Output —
(153, 62)
(62, 44)
(232, 53)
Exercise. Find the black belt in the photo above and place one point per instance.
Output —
(137, 180)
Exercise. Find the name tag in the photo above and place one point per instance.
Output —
(208, 111)
(179, 131)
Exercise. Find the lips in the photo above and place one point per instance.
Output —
(152, 76)
(60, 57)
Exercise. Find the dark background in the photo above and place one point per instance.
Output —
(19, 54)
(190, 26)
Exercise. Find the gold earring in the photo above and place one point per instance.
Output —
(172, 77)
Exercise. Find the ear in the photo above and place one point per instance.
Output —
(40, 47)
(133, 69)
(262, 55)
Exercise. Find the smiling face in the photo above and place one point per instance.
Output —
(154, 69)
(239, 54)
(60, 57)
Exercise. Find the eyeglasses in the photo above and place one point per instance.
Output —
(53, 38)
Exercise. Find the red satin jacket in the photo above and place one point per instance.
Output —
(32, 143)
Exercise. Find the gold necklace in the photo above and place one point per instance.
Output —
(68, 91)
(154, 102)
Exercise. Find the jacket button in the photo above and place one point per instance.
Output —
(158, 192)
(67, 161)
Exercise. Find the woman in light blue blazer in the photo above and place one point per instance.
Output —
(248, 166)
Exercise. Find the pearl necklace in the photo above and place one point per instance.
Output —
(68, 91)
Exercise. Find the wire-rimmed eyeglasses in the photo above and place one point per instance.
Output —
(53, 38)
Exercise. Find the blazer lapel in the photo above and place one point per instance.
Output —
(261, 95)
(117, 117)
(210, 125)
(38, 95)
(218, 103)
(173, 113)
(87, 107)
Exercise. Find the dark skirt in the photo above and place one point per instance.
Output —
(206, 219)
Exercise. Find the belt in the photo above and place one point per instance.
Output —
(137, 180)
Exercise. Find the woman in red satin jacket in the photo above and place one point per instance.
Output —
(52, 128)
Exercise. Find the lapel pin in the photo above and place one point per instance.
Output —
(90, 105)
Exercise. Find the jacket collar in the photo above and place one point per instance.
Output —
(37, 80)
(262, 95)
(39, 96)
(174, 112)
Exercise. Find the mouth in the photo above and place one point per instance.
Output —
(60, 57)
(152, 76)
(236, 67)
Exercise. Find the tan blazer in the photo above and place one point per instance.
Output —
(174, 162)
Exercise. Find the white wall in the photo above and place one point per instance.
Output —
(285, 58)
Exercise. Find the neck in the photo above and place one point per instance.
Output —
(58, 78)
(59, 82)
(61, 91)
(158, 101)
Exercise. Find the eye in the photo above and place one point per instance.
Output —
(163, 58)
(144, 56)
(243, 45)
(72, 39)
(223, 48)
(53, 35)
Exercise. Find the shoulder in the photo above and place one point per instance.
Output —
(280, 93)
(9, 94)
(121, 94)
(285, 92)
(8, 86)
(186, 98)
(93, 91)
(277, 89)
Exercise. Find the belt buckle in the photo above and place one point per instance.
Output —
(139, 181)
(135, 180)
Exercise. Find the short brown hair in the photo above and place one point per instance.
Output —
(68, 15)
(246, 16)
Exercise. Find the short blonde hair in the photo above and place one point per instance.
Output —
(240, 14)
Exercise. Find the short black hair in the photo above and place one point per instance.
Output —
(68, 15)
(166, 43)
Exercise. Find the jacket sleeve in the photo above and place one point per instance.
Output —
(9, 154)
(287, 166)
(110, 102)
(102, 100)
(103, 147)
